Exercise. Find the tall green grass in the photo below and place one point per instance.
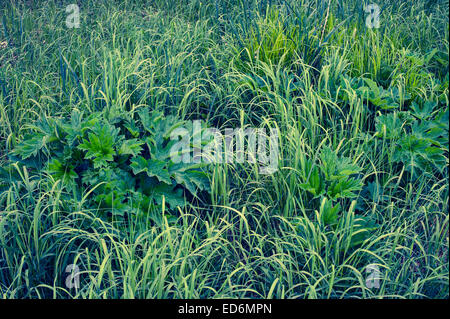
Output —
(290, 65)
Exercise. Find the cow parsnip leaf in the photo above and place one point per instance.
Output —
(131, 147)
(152, 167)
(64, 172)
(100, 144)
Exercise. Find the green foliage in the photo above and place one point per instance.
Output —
(419, 137)
(280, 39)
(362, 178)
(271, 42)
(100, 144)
(377, 97)
(331, 176)
(330, 182)
(125, 171)
(328, 212)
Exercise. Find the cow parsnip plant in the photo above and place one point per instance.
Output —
(419, 137)
(123, 163)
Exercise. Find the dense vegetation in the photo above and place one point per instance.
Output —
(86, 177)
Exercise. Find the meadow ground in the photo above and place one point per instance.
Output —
(92, 204)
